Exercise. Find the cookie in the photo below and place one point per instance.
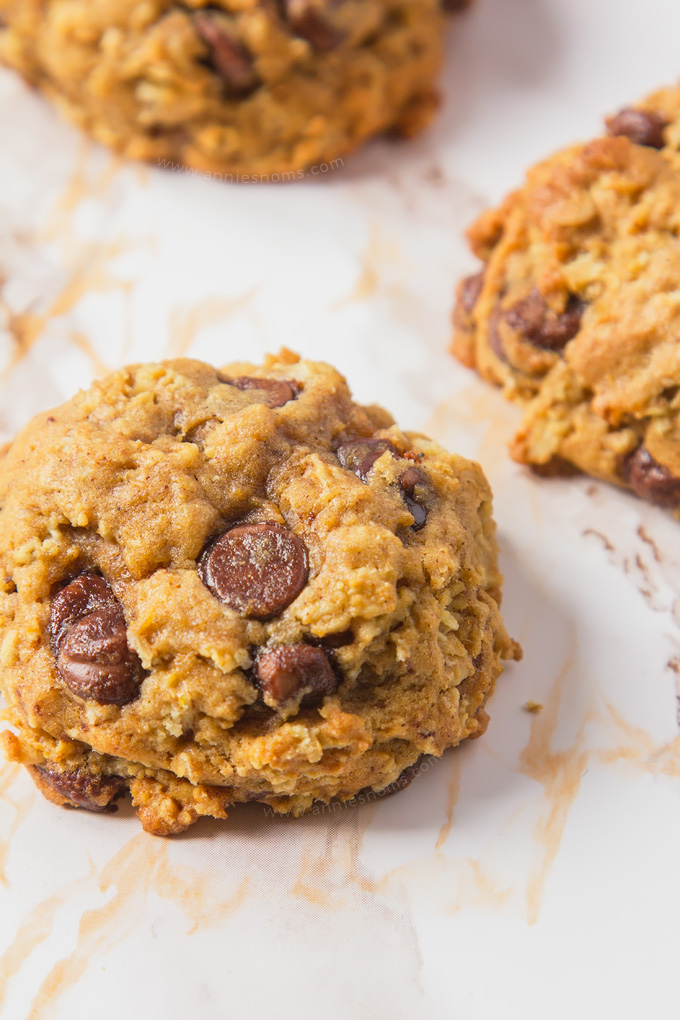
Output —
(239, 585)
(576, 309)
(232, 87)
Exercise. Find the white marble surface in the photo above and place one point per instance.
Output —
(531, 874)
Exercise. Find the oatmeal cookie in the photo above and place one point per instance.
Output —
(576, 310)
(235, 87)
(238, 585)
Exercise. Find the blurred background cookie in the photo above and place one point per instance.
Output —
(240, 87)
(576, 311)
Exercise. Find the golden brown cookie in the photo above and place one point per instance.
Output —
(576, 310)
(236, 585)
(236, 87)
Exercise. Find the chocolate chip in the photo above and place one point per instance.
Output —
(469, 290)
(310, 24)
(279, 391)
(257, 569)
(639, 126)
(89, 640)
(360, 455)
(556, 467)
(94, 793)
(84, 595)
(412, 484)
(540, 325)
(652, 481)
(96, 662)
(289, 672)
(228, 56)
(340, 639)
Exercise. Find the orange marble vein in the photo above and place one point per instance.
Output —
(560, 774)
(89, 275)
(9, 773)
(377, 256)
(140, 866)
(33, 931)
(452, 795)
(641, 750)
(187, 322)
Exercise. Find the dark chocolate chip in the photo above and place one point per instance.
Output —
(412, 484)
(94, 793)
(540, 325)
(360, 455)
(640, 126)
(229, 58)
(455, 5)
(279, 391)
(257, 569)
(556, 467)
(652, 481)
(470, 289)
(95, 661)
(79, 598)
(310, 24)
(340, 639)
(288, 672)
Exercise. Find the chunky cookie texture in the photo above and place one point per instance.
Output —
(576, 310)
(211, 594)
(237, 87)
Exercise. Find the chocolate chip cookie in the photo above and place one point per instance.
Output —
(576, 309)
(238, 585)
(235, 87)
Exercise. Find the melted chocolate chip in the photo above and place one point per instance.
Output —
(412, 484)
(310, 24)
(340, 639)
(652, 481)
(279, 391)
(228, 56)
(288, 672)
(360, 455)
(94, 793)
(257, 569)
(469, 291)
(639, 126)
(540, 325)
(82, 596)
(89, 639)
(556, 467)
(95, 661)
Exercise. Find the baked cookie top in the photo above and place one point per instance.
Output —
(578, 306)
(239, 584)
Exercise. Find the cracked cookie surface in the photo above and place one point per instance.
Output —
(576, 310)
(237, 87)
(236, 585)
